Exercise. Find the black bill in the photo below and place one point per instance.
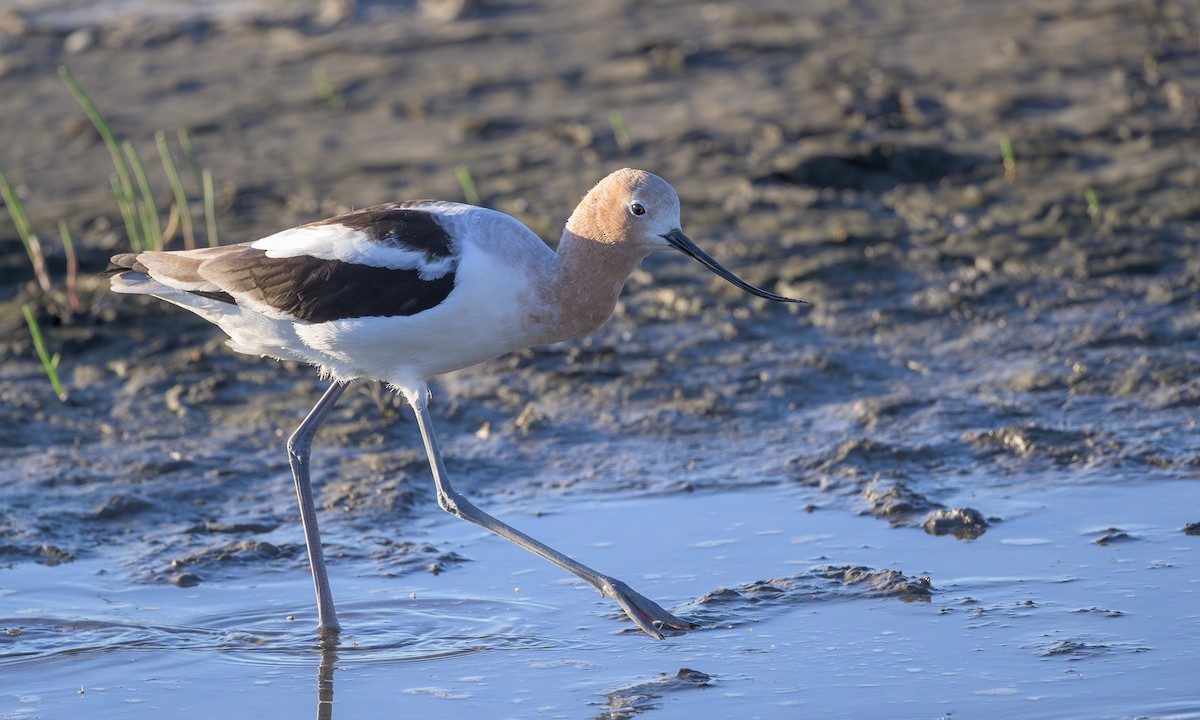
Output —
(681, 242)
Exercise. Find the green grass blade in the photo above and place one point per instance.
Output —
(33, 246)
(1009, 160)
(123, 177)
(210, 208)
(325, 89)
(128, 213)
(181, 200)
(16, 208)
(620, 132)
(172, 223)
(148, 209)
(468, 184)
(1093, 202)
(189, 152)
(72, 265)
(49, 364)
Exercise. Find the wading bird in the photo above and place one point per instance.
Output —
(407, 291)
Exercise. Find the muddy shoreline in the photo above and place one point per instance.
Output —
(849, 168)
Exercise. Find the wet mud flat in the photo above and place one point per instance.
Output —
(982, 431)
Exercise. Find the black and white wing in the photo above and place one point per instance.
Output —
(382, 261)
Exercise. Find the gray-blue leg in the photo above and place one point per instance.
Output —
(299, 446)
(645, 613)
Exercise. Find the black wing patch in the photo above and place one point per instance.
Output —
(214, 295)
(316, 290)
(398, 225)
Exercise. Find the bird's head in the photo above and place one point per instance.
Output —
(638, 209)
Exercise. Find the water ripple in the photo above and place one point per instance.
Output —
(418, 630)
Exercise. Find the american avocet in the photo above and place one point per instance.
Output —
(407, 291)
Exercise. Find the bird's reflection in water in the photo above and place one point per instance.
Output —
(328, 648)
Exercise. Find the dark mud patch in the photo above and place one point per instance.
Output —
(246, 553)
(252, 528)
(876, 169)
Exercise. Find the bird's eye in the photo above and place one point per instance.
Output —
(637, 209)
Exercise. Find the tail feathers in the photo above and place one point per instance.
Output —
(128, 261)
(176, 279)
(155, 271)
(179, 269)
(133, 282)
(131, 277)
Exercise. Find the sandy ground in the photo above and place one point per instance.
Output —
(975, 332)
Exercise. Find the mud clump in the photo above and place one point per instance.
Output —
(1073, 649)
(1113, 536)
(729, 607)
(44, 554)
(899, 503)
(241, 552)
(120, 506)
(962, 523)
(185, 580)
(881, 475)
(895, 500)
(634, 700)
(866, 456)
(1036, 441)
(882, 583)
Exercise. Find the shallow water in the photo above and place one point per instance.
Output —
(1032, 619)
